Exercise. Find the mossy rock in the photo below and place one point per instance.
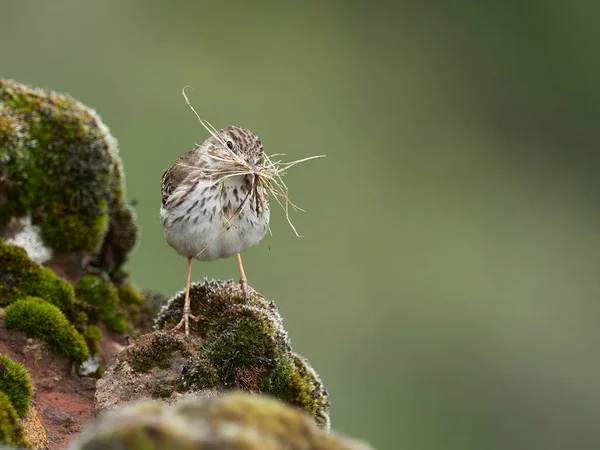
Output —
(59, 165)
(39, 319)
(156, 351)
(121, 237)
(15, 383)
(11, 432)
(232, 421)
(103, 304)
(21, 277)
(244, 346)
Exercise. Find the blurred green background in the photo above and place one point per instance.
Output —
(446, 287)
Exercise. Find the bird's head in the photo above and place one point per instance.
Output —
(237, 144)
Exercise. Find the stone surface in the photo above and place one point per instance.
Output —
(234, 421)
(239, 344)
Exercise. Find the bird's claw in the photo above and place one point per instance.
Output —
(184, 322)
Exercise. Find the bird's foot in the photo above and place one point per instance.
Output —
(185, 323)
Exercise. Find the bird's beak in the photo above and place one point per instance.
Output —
(253, 165)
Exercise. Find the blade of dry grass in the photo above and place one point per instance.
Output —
(267, 178)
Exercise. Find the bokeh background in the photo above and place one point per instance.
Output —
(446, 286)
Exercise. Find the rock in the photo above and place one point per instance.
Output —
(223, 422)
(148, 368)
(34, 431)
(61, 182)
(58, 417)
(239, 343)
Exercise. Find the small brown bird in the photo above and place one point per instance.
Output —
(215, 202)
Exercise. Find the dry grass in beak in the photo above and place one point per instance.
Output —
(267, 177)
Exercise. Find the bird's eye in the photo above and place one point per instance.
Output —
(230, 145)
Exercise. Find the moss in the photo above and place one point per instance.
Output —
(63, 170)
(11, 135)
(233, 421)
(58, 226)
(155, 351)
(120, 239)
(143, 426)
(92, 336)
(59, 164)
(21, 277)
(102, 299)
(244, 346)
(163, 391)
(39, 319)
(301, 385)
(16, 384)
(11, 432)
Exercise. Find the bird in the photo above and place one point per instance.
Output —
(214, 204)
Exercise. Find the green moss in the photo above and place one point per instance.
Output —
(11, 432)
(253, 416)
(21, 277)
(102, 299)
(16, 384)
(60, 225)
(163, 391)
(120, 239)
(61, 167)
(244, 346)
(297, 383)
(141, 426)
(155, 350)
(230, 421)
(92, 336)
(39, 319)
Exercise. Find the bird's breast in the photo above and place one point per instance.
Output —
(213, 221)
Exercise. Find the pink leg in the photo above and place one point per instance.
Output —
(243, 279)
(187, 315)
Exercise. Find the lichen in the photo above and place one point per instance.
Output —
(102, 298)
(16, 384)
(231, 421)
(11, 431)
(39, 319)
(33, 430)
(21, 277)
(244, 346)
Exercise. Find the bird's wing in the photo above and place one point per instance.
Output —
(175, 175)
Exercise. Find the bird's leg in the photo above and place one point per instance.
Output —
(187, 315)
(243, 279)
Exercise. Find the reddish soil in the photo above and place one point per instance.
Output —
(63, 399)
